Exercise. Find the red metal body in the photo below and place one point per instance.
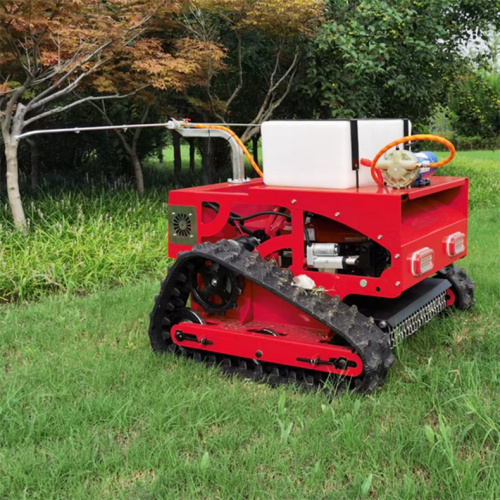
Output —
(402, 221)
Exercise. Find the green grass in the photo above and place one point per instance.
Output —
(88, 411)
(481, 155)
(81, 241)
(483, 170)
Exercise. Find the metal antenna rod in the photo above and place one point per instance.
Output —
(77, 130)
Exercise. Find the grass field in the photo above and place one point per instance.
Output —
(480, 155)
(80, 241)
(88, 411)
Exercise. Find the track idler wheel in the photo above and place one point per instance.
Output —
(461, 285)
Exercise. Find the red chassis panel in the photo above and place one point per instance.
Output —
(402, 221)
(229, 337)
(269, 329)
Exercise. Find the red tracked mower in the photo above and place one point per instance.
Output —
(318, 269)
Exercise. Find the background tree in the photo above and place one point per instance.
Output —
(154, 72)
(474, 105)
(399, 58)
(72, 159)
(51, 48)
(263, 40)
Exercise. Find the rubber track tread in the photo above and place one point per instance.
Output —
(360, 332)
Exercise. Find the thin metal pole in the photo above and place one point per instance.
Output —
(77, 130)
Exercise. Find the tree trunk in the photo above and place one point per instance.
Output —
(16, 205)
(192, 152)
(3, 173)
(11, 126)
(160, 153)
(255, 148)
(77, 157)
(216, 158)
(176, 141)
(35, 162)
(131, 150)
(139, 178)
(207, 161)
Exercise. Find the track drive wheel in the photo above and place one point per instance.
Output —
(214, 287)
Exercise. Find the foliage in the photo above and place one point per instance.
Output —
(474, 103)
(46, 43)
(270, 16)
(471, 143)
(376, 58)
(50, 50)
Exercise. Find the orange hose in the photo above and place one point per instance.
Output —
(238, 141)
(377, 174)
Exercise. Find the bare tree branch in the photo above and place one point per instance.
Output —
(211, 99)
(237, 90)
(275, 104)
(210, 76)
(121, 135)
(13, 45)
(274, 86)
(144, 20)
(40, 97)
(60, 93)
(271, 102)
(26, 66)
(14, 100)
(60, 109)
(52, 72)
(206, 33)
(287, 72)
(200, 30)
(138, 131)
(270, 91)
(7, 92)
(130, 148)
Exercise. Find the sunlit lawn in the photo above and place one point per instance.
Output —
(88, 411)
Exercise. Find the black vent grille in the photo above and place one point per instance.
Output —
(183, 225)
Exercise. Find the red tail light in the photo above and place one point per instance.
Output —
(455, 244)
(422, 261)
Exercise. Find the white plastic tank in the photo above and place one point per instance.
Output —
(319, 154)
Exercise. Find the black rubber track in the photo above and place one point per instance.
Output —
(360, 332)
